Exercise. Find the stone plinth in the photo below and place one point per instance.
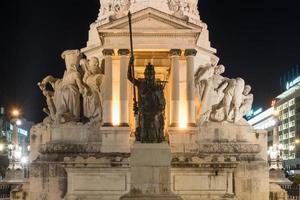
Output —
(183, 140)
(74, 133)
(150, 172)
(115, 139)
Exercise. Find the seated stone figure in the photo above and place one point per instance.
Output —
(93, 79)
(64, 101)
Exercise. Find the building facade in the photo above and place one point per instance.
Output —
(282, 122)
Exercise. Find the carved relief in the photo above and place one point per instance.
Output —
(180, 7)
(115, 8)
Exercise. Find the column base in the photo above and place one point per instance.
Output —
(124, 125)
(192, 125)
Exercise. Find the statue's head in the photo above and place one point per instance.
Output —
(72, 59)
(149, 73)
(220, 69)
(94, 65)
(247, 89)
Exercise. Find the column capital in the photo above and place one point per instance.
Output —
(108, 52)
(123, 52)
(190, 52)
(175, 52)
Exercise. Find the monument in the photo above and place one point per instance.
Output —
(157, 121)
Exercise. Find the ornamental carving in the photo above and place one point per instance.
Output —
(236, 148)
(69, 148)
(183, 6)
(115, 8)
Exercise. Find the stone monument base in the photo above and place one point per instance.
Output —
(150, 197)
(150, 173)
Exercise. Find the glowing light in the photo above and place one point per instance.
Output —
(15, 113)
(116, 113)
(276, 113)
(297, 141)
(116, 93)
(182, 115)
(292, 83)
(1, 147)
(19, 122)
(24, 160)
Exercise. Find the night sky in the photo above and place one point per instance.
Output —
(257, 40)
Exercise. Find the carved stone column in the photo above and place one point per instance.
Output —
(108, 88)
(174, 103)
(190, 86)
(124, 118)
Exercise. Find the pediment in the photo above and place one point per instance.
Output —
(152, 20)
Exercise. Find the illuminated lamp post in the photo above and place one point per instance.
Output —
(14, 149)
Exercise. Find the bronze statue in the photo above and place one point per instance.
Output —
(150, 109)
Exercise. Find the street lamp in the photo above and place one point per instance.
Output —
(15, 113)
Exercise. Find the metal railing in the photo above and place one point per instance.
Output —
(293, 191)
(5, 189)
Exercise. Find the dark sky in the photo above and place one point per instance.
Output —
(258, 40)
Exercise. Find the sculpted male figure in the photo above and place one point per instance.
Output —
(247, 101)
(210, 85)
(151, 105)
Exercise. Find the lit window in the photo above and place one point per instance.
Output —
(292, 113)
(292, 102)
(292, 134)
(285, 126)
(280, 128)
(292, 124)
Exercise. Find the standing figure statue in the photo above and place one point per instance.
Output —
(93, 79)
(150, 107)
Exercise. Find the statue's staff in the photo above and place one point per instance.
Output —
(131, 50)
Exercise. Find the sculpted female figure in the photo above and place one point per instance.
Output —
(92, 101)
(67, 99)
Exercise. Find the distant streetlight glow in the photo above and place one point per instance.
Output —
(24, 160)
(18, 122)
(15, 113)
(297, 141)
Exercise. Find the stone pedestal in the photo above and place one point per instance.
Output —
(150, 173)
(115, 139)
(183, 140)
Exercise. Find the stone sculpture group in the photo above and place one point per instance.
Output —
(221, 98)
(82, 79)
